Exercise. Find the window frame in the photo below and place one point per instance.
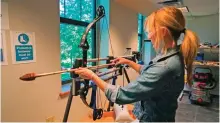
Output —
(140, 34)
(74, 22)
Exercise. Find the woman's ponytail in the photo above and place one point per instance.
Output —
(189, 49)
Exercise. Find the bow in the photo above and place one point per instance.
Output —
(97, 113)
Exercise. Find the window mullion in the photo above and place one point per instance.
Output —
(73, 22)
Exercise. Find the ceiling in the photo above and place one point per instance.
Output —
(196, 7)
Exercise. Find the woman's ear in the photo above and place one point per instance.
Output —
(164, 31)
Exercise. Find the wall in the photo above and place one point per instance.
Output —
(207, 29)
(37, 100)
(123, 32)
(145, 7)
(123, 28)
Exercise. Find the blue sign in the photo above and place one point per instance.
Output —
(23, 38)
(24, 52)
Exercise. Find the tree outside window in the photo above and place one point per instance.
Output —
(75, 15)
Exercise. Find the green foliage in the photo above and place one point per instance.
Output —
(81, 10)
(70, 35)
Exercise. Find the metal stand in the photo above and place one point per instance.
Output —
(111, 104)
(126, 75)
(67, 108)
(74, 91)
(66, 114)
(127, 52)
(75, 86)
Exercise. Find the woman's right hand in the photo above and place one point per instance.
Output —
(121, 61)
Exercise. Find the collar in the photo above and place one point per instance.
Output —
(170, 52)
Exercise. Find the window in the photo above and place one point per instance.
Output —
(81, 10)
(140, 30)
(75, 15)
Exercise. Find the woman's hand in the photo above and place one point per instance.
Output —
(85, 73)
(88, 74)
(121, 61)
(131, 64)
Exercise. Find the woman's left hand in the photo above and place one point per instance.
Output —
(85, 73)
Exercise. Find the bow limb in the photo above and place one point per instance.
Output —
(97, 113)
(101, 13)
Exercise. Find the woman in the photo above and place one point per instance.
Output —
(157, 88)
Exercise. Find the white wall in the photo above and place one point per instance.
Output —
(207, 27)
(123, 28)
(123, 32)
